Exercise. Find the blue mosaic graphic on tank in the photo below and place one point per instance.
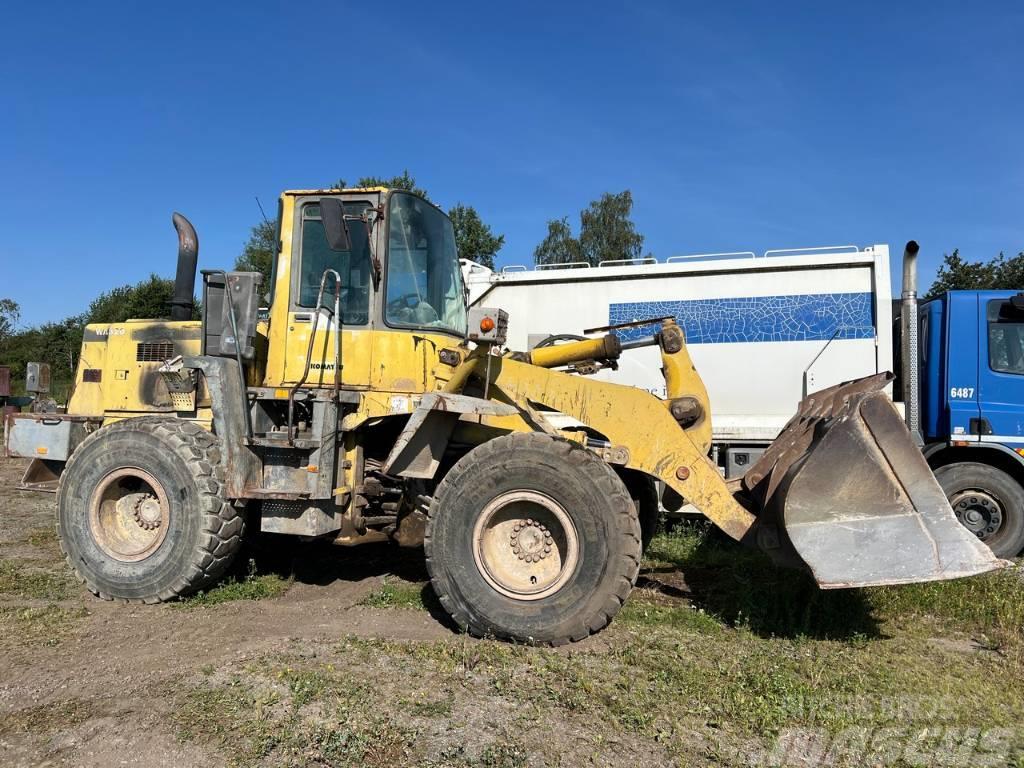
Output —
(810, 317)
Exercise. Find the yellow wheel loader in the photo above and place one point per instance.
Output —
(365, 404)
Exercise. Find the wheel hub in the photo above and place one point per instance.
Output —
(525, 545)
(531, 541)
(129, 514)
(978, 511)
(147, 512)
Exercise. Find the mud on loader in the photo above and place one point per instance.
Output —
(366, 405)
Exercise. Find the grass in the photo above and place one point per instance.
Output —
(57, 716)
(43, 537)
(709, 671)
(19, 580)
(741, 588)
(252, 586)
(396, 594)
(35, 626)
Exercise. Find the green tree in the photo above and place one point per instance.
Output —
(259, 252)
(474, 239)
(957, 274)
(59, 345)
(607, 233)
(10, 314)
(147, 299)
(559, 246)
(405, 181)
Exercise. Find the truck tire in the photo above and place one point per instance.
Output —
(141, 512)
(532, 538)
(989, 503)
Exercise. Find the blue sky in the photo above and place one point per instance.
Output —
(736, 126)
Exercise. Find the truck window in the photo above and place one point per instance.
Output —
(353, 266)
(1005, 337)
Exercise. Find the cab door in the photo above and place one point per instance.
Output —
(1001, 369)
(960, 364)
(311, 256)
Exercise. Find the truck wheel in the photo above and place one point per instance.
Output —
(532, 538)
(141, 513)
(988, 502)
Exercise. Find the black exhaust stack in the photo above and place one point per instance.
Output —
(185, 279)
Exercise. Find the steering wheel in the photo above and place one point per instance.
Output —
(422, 312)
(402, 302)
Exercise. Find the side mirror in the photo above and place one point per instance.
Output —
(332, 213)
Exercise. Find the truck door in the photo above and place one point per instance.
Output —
(960, 348)
(354, 267)
(1001, 370)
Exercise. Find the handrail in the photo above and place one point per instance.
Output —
(631, 262)
(823, 249)
(337, 320)
(744, 254)
(565, 265)
(818, 249)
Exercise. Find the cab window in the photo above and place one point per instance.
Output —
(424, 278)
(353, 265)
(1005, 337)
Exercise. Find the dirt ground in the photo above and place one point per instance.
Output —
(115, 661)
(346, 661)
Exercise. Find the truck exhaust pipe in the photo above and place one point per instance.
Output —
(910, 352)
(185, 279)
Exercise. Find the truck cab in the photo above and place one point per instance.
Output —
(971, 386)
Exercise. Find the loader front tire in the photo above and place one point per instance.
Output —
(141, 511)
(534, 539)
(644, 493)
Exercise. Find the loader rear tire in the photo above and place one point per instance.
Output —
(988, 502)
(141, 511)
(534, 539)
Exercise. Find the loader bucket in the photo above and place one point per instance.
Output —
(845, 492)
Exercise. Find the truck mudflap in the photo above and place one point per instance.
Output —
(845, 492)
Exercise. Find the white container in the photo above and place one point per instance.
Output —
(763, 331)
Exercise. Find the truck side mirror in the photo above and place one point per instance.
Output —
(332, 213)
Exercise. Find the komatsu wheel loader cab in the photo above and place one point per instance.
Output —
(365, 404)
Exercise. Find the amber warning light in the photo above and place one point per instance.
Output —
(486, 324)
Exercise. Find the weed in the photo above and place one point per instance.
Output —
(55, 716)
(503, 754)
(30, 583)
(396, 594)
(42, 537)
(47, 626)
(252, 587)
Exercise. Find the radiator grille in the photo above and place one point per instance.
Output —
(154, 352)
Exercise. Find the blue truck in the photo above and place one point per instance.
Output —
(962, 371)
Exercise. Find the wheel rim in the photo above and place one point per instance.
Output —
(979, 512)
(129, 514)
(525, 545)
